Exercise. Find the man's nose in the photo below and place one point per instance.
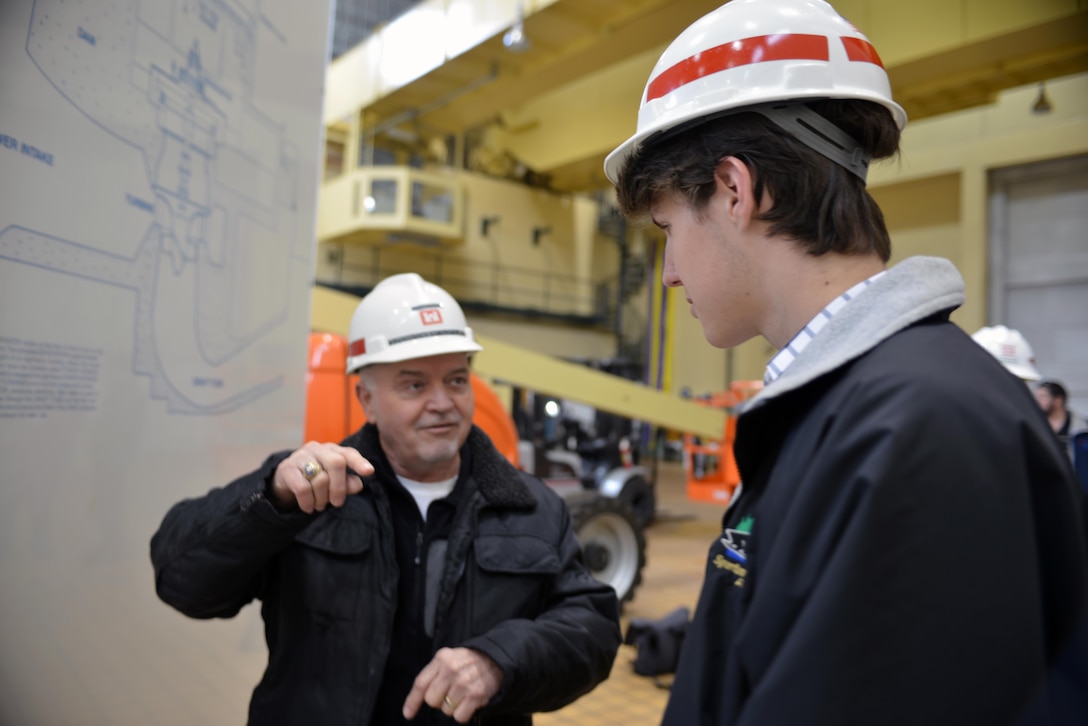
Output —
(669, 276)
(440, 399)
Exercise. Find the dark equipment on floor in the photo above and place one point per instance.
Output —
(657, 642)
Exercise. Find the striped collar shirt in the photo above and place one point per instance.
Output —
(799, 342)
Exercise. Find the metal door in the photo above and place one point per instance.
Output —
(1039, 265)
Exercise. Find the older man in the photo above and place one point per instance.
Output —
(409, 574)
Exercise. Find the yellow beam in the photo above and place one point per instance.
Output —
(605, 392)
(516, 366)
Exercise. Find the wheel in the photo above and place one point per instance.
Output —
(639, 495)
(631, 485)
(613, 543)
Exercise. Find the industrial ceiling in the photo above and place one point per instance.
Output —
(559, 106)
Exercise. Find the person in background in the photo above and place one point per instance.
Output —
(1011, 348)
(1053, 399)
(907, 546)
(409, 574)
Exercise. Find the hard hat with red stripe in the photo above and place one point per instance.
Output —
(1011, 348)
(406, 317)
(761, 55)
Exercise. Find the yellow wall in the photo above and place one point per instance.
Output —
(966, 146)
(923, 216)
(552, 339)
(505, 267)
(904, 31)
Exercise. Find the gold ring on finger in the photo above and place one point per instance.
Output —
(311, 469)
(450, 702)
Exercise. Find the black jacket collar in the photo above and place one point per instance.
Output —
(495, 478)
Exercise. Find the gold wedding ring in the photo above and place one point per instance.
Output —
(311, 469)
(450, 702)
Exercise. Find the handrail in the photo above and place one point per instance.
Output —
(511, 287)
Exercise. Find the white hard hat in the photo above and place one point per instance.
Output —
(759, 53)
(1009, 347)
(406, 317)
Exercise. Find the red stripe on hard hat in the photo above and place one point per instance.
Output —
(859, 49)
(357, 347)
(793, 46)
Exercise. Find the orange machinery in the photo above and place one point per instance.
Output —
(711, 470)
(333, 412)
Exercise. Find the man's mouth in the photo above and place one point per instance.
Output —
(440, 428)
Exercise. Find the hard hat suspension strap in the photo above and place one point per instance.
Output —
(819, 134)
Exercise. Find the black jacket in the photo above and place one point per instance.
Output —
(908, 545)
(513, 586)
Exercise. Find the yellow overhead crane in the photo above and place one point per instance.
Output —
(510, 364)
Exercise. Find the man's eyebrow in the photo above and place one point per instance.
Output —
(414, 373)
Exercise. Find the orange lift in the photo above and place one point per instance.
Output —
(712, 474)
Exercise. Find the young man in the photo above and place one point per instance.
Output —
(907, 545)
(409, 574)
(1064, 422)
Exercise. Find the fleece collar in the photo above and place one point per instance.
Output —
(913, 290)
(489, 473)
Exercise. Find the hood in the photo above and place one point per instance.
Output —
(913, 290)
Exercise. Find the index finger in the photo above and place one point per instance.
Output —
(355, 461)
(419, 689)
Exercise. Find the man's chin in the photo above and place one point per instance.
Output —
(442, 451)
(434, 458)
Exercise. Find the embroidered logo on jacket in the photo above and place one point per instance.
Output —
(734, 555)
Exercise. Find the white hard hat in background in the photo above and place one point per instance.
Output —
(406, 317)
(752, 52)
(1009, 347)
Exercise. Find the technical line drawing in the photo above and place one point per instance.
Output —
(174, 79)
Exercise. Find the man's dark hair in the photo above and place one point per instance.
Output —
(1055, 389)
(817, 202)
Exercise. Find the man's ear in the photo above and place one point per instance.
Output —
(736, 189)
(363, 394)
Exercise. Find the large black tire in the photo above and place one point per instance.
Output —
(612, 540)
(639, 495)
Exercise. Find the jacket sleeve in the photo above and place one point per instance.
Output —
(568, 648)
(211, 554)
(932, 558)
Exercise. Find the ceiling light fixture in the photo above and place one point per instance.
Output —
(515, 39)
(1042, 103)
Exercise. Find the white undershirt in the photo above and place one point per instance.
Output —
(426, 492)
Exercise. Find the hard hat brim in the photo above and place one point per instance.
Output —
(413, 349)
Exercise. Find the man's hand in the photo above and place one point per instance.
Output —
(457, 682)
(338, 476)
